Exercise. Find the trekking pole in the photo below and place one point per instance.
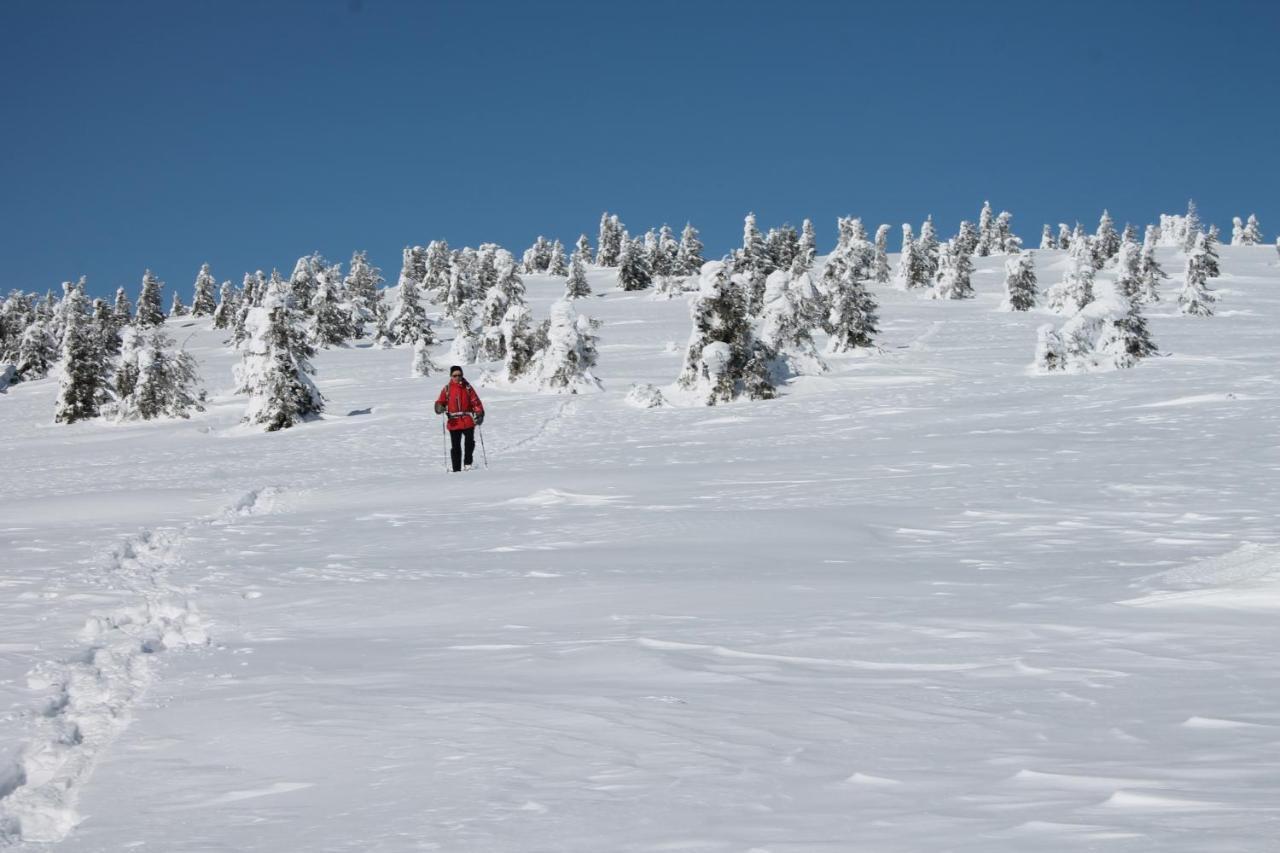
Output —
(444, 436)
(483, 453)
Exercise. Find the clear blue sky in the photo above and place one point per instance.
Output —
(165, 134)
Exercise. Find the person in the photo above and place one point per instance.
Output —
(461, 405)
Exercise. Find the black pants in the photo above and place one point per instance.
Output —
(455, 452)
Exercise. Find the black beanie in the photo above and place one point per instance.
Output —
(454, 367)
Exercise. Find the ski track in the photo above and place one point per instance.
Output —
(90, 695)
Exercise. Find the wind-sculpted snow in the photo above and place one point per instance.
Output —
(927, 600)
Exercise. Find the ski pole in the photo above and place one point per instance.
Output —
(444, 436)
(483, 453)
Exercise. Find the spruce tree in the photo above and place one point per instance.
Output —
(556, 264)
(228, 303)
(1212, 267)
(927, 252)
(792, 310)
(150, 308)
(1106, 242)
(104, 326)
(166, 383)
(1129, 270)
(724, 359)
(411, 324)
(1020, 282)
(176, 306)
(37, 350)
(564, 366)
(360, 287)
(1150, 273)
(909, 267)
(83, 387)
(1006, 241)
(518, 341)
(123, 309)
(851, 320)
(955, 267)
(275, 370)
(880, 263)
(670, 251)
(753, 255)
(985, 240)
(576, 286)
(1076, 288)
(1064, 236)
(808, 249)
(1252, 232)
(1126, 337)
(1237, 231)
(303, 283)
(969, 242)
(610, 242)
(330, 323)
(202, 304)
(1046, 238)
(633, 267)
(583, 249)
(689, 257)
(1195, 297)
(782, 245)
(1193, 226)
(422, 364)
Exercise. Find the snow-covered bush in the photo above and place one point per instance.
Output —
(645, 396)
(1107, 333)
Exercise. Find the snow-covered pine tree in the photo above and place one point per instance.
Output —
(1106, 243)
(564, 365)
(1129, 269)
(410, 324)
(927, 252)
(782, 244)
(670, 250)
(1237, 231)
(1195, 297)
(1020, 282)
(583, 249)
(753, 255)
(1064, 236)
(228, 303)
(1130, 233)
(467, 342)
(576, 285)
(104, 326)
(851, 319)
(792, 310)
(1075, 290)
(125, 379)
(1212, 267)
(166, 383)
(123, 309)
(519, 344)
(955, 269)
(880, 263)
(150, 308)
(275, 370)
(1150, 273)
(1006, 241)
(330, 321)
(383, 337)
(1193, 226)
(656, 255)
(905, 278)
(83, 388)
(176, 306)
(1126, 339)
(436, 266)
(422, 364)
(37, 350)
(1046, 238)
(1252, 232)
(556, 264)
(689, 257)
(808, 243)
(724, 359)
(633, 267)
(610, 241)
(360, 287)
(202, 304)
(969, 242)
(985, 240)
(507, 292)
(303, 282)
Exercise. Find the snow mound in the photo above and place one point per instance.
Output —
(555, 497)
(645, 396)
(1247, 578)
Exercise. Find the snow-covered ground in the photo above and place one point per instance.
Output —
(926, 602)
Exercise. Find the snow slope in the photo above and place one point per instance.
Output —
(928, 601)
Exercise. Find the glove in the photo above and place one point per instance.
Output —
(439, 408)
(479, 418)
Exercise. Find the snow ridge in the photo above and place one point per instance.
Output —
(92, 693)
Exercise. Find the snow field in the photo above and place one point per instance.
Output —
(892, 610)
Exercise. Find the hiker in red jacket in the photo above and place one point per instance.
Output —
(464, 411)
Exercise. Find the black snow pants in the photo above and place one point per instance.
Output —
(456, 456)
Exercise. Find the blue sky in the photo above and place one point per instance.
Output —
(165, 134)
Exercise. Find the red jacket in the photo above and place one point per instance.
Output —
(460, 400)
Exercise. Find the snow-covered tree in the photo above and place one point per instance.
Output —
(583, 249)
(303, 282)
(537, 257)
(275, 370)
(1020, 282)
(880, 262)
(422, 364)
(1076, 288)
(576, 285)
(1195, 297)
(1108, 333)
(507, 292)
(1046, 238)
(330, 318)
(228, 303)
(1150, 273)
(927, 251)
(1006, 241)
(689, 256)
(782, 244)
(104, 326)
(753, 255)
(792, 310)
(1192, 226)
(519, 341)
(1064, 236)
(985, 241)
(556, 264)
(808, 248)
(37, 350)
(968, 242)
(1129, 270)
(1211, 266)
(1106, 243)
(851, 319)
(910, 272)
(609, 242)
(436, 266)
(725, 360)
(955, 271)
(123, 309)
(176, 306)
(1237, 231)
(383, 337)
(633, 267)
(83, 387)
(410, 323)
(150, 308)
(564, 365)
(202, 304)
(1252, 232)
(360, 287)
(155, 381)
(467, 342)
